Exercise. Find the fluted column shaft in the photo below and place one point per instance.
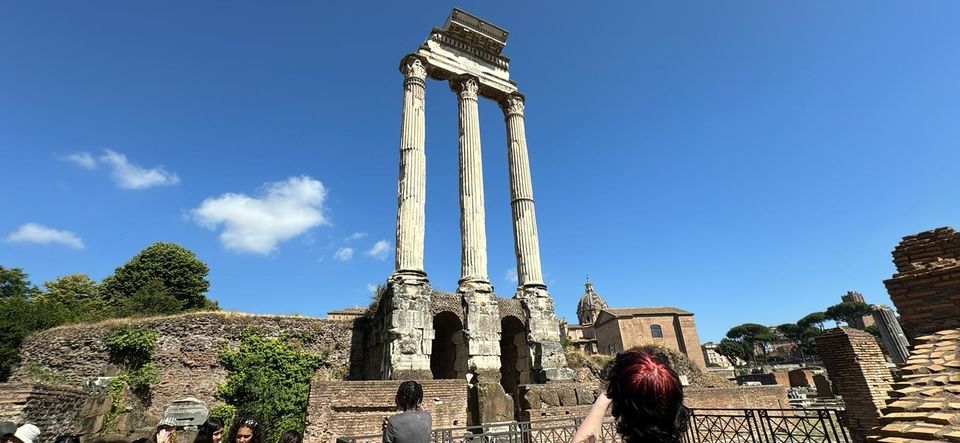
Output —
(525, 241)
(411, 189)
(473, 232)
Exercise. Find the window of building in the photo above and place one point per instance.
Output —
(656, 331)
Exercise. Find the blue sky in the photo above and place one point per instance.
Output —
(747, 161)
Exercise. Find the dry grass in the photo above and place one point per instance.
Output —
(126, 321)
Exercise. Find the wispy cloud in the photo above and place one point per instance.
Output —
(37, 233)
(511, 275)
(128, 175)
(125, 173)
(355, 236)
(82, 159)
(372, 288)
(343, 254)
(285, 210)
(380, 250)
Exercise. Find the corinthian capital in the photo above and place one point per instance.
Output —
(413, 67)
(512, 103)
(467, 86)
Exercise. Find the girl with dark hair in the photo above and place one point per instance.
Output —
(647, 400)
(210, 431)
(245, 429)
(291, 437)
(413, 424)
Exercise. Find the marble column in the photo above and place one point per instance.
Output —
(891, 335)
(411, 189)
(525, 241)
(473, 232)
(409, 333)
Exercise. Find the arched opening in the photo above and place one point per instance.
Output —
(514, 355)
(656, 331)
(447, 346)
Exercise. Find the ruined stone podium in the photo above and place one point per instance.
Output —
(420, 333)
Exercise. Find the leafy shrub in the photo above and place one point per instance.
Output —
(132, 346)
(268, 378)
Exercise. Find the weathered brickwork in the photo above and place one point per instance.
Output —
(926, 287)
(55, 410)
(858, 370)
(349, 408)
(926, 403)
(187, 350)
(744, 397)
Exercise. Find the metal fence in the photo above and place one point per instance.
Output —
(705, 426)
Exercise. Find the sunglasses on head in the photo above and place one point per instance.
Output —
(250, 422)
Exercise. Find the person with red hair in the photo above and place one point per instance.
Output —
(646, 397)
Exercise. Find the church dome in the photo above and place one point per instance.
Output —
(590, 304)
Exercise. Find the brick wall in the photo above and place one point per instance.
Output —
(55, 410)
(187, 351)
(346, 408)
(856, 366)
(743, 397)
(926, 287)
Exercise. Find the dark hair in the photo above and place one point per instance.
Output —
(409, 395)
(67, 438)
(291, 437)
(207, 429)
(647, 397)
(246, 421)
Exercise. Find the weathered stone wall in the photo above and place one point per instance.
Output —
(349, 408)
(690, 340)
(857, 369)
(187, 350)
(800, 378)
(55, 410)
(926, 287)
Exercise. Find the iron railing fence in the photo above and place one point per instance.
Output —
(705, 426)
(766, 426)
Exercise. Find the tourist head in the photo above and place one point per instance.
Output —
(166, 431)
(7, 428)
(27, 433)
(409, 395)
(246, 429)
(646, 397)
(67, 438)
(291, 437)
(210, 431)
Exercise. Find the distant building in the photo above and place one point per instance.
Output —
(605, 330)
(856, 297)
(348, 314)
(712, 358)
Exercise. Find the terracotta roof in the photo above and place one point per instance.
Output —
(925, 404)
(630, 312)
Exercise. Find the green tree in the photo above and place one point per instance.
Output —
(850, 313)
(70, 288)
(815, 318)
(14, 283)
(752, 334)
(733, 350)
(151, 299)
(269, 378)
(22, 317)
(800, 335)
(182, 274)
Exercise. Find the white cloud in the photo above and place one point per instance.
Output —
(256, 224)
(371, 288)
(131, 176)
(343, 254)
(380, 250)
(511, 275)
(355, 236)
(37, 233)
(82, 159)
